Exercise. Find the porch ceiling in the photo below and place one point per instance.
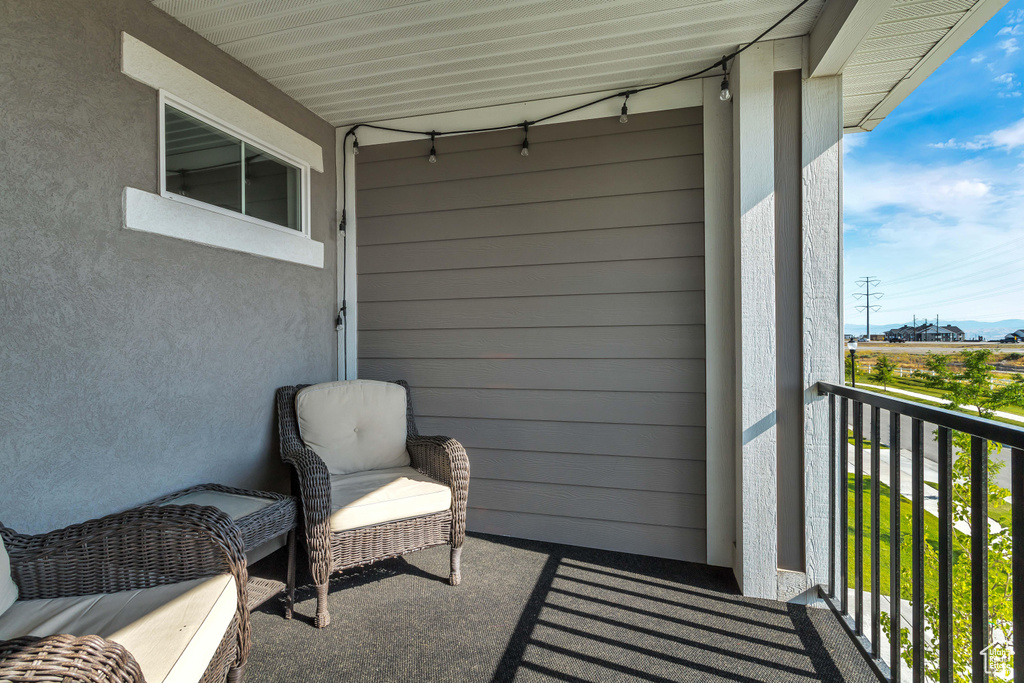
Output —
(365, 60)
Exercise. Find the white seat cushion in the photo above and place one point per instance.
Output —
(8, 589)
(354, 426)
(369, 498)
(235, 506)
(172, 631)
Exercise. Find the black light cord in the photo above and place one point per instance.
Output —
(723, 62)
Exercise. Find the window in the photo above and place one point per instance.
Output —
(207, 164)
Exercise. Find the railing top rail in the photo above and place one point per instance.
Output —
(1008, 435)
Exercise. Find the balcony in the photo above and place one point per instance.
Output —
(530, 611)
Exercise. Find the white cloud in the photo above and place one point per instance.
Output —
(1017, 30)
(1009, 46)
(853, 141)
(1008, 138)
(978, 58)
(1005, 79)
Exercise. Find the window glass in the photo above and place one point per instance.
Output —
(201, 162)
(271, 189)
(207, 165)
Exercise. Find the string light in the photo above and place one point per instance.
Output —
(726, 94)
(355, 145)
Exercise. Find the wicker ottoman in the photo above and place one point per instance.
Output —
(266, 521)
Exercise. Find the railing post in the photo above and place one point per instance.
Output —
(844, 506)
(979, 557)
(832, 458)
(945, 634)
(858, 515)
(917, 547)
(895, 544)
(1017, 529)
(876, 589)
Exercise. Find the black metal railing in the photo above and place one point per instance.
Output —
(982, 432)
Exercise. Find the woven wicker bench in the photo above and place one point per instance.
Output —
(264, 519)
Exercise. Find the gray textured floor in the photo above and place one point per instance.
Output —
(529, 611)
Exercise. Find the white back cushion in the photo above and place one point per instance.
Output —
(8, 589)
(354, 426)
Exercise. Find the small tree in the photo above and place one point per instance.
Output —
(972, 388)
(883, 372)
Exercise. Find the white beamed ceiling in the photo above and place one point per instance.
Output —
(366, 60)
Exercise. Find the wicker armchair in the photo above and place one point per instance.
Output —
(138, 549)
(440, 458)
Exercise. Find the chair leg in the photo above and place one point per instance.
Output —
(235, 674)
(289, 604)
(456, 576)
(323, 617)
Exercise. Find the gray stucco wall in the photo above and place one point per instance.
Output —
(132, 364)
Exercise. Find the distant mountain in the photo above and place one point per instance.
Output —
(972, 328)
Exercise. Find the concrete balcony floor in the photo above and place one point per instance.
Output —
(531, 611)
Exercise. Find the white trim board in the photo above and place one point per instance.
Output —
(676, 96)
(719, 327)
(147, 65)
(148, 212)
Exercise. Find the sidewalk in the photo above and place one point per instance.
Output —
(935, 399)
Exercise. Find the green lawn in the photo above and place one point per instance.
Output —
(920, 387)
(931, 533)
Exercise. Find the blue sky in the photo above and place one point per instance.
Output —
(934, 196)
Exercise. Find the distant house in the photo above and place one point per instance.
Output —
(926, 332)
(1014, 337)
(904, 333)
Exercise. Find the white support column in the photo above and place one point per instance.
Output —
(754, 217)
(348, 352)
(822, 311)
(719, 326)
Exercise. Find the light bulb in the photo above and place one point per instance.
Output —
(526, 149)
(726, 93)
(432, 158)
(355, 145)
(433, 152)
(624, 117)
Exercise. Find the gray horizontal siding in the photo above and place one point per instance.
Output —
(548, 312)
(634, 341)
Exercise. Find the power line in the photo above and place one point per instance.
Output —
(867, 295)
(938, 269)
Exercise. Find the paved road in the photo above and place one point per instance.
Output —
(931, 448)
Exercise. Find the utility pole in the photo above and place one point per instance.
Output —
(915, 327)
(867, 295)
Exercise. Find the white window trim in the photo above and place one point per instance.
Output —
(178, 103)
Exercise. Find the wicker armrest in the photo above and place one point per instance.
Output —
(445, 460)
(67, 658)
(140, 548)
(314, 485)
